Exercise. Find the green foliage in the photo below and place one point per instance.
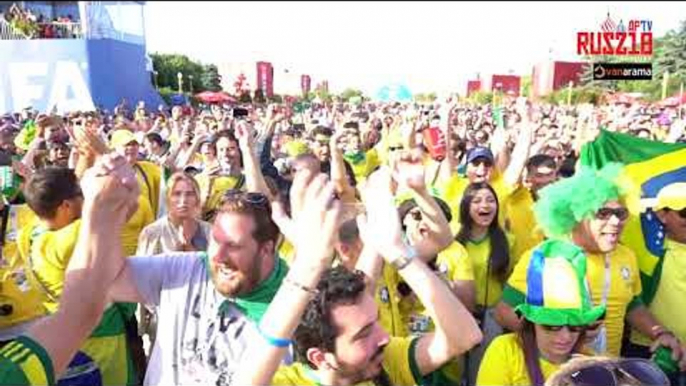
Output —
(425, 97)
(526, 85)
(350, 93)
(245, 97)
(205, 77)
(211, 80)
(259, 97)
(481, 97)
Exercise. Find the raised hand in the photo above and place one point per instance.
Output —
(408, 169)
(380, 226)
(316, 222)
(244, 134)
(110, 189)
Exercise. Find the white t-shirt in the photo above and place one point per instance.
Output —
(196, 344)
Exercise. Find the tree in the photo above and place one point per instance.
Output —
(350, 93)
(211, 80)
(259, 97)
(245, 97)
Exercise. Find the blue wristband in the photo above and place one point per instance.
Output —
(276, 342)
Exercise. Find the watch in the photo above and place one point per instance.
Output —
(404, 259)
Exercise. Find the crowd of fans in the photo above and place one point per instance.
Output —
(396, 243)
(32, 25)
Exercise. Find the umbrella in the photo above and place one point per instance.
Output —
(395, 93)
(674, 100)
(215, 97)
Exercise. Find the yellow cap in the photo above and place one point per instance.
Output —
(672, 196)
(122, 138)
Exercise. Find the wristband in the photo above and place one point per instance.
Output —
(276, 342)
(293, 283)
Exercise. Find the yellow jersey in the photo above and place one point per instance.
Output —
(399, 365)
(24, 362)
(504, 364)
(17, 291)
(521, 222)
(668, 304)
(487, 285)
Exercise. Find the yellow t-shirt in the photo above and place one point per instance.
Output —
(286, 251)
(478, 253)
(668, 304)
(364, 168)
(452, 190)
(17, 290)
(387, 298)
(521, 222)
(148, 204)
(503, 364)
(399, 364)
(46, 255)
(216, 186)
(625, 287)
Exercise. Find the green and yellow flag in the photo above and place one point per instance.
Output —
(650, 166)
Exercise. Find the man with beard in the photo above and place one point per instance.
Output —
(208, 303)
(540, 171)
(333, 317)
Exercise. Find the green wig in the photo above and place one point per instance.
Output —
(566, 203)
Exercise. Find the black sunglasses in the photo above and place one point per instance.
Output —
(572, 329)
(639, 371)
(606, 213)
(252, 198)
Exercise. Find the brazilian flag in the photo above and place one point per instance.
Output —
(649, 166)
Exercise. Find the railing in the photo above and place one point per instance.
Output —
(55, 30)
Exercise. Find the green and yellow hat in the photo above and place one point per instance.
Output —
(557, 294)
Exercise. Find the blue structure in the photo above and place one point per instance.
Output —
(98, 67)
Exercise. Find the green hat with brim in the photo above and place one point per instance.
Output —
(557, 294)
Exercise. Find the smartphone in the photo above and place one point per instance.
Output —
(239, 112)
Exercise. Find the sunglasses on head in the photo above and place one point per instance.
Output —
(252, 198)
(624, 371)
(572, 329)
(606, 213)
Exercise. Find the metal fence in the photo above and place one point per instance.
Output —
(59, 30)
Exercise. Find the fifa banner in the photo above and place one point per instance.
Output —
(65, 75)
(265, 78)
(649, 166)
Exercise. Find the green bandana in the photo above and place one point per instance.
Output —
(254, 304)
(354, 158)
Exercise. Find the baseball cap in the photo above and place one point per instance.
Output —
(479, 152)
(671, 197)
(121, 138)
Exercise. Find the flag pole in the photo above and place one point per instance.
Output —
(569, 93)
(665, 81)
(681, 98)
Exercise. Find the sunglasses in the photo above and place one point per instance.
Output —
(416, 215)
(606, 213)
(572, 329)
(251, 198)
(636, 371)
(395, 148)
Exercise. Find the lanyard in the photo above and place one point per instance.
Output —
(606, 285)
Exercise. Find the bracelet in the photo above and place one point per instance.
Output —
(293, 283)
(276, 342)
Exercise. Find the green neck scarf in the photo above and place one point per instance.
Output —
(354, 158)
(254, 304)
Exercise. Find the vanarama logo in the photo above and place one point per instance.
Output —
(635, 38)
(625, 49)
